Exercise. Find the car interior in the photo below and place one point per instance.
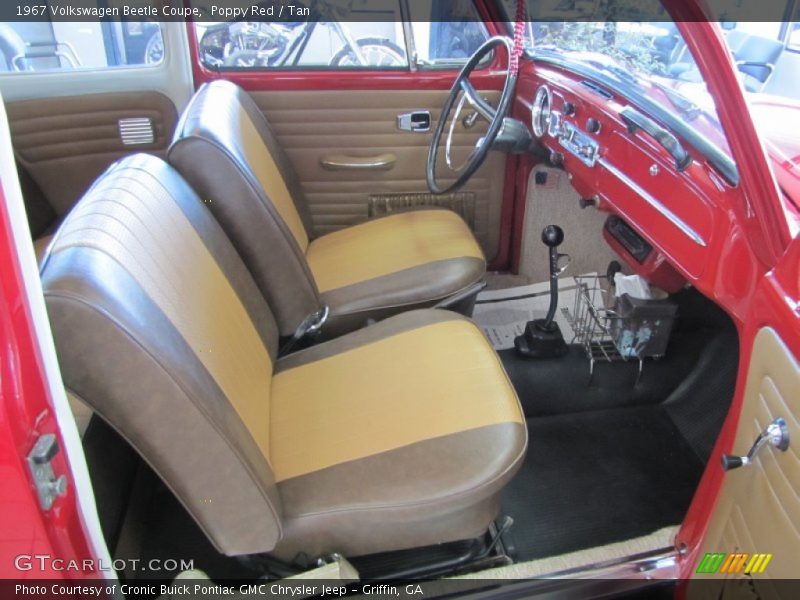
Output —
(273, 311)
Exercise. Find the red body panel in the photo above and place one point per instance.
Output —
(491, 77)
(774, 304)
(698, 196)
(745, 232)
(26, 413)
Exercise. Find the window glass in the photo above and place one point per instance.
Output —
(446, 32)
(328, 40)
(56, 46)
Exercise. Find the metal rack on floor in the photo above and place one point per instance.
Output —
(604, 334)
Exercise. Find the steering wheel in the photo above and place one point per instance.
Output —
(461, 94)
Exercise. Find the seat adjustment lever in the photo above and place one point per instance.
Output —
(776, 435)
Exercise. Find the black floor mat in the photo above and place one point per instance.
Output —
(170, 532)
(594, 478)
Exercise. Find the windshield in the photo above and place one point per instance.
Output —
(634, 49)
(648, 62)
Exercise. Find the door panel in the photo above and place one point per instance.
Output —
(65, 143)
(314, 125)
(758, 510)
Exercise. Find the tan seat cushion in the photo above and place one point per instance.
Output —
(408, 258)
(378, 436)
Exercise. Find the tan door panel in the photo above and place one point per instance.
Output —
(758, 511)
(65, 143)
(315, 126)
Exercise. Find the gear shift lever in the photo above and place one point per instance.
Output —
(543, 337)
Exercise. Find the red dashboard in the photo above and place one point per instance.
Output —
(676, 210)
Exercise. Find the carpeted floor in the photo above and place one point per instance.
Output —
(594, 478)
(612, 457)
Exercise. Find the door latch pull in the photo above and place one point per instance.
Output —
(776, 435)
(418, 121)
(48, 486)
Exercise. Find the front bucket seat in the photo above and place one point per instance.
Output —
(224, 147)
(399, 435)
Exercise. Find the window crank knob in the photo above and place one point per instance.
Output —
(730, 462)
(776, 435)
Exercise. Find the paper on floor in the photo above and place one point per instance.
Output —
(502, 314)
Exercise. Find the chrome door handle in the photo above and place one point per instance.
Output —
(340, 162)
(776, 435)
(418, 121)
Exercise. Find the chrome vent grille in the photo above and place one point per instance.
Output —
(136, 131)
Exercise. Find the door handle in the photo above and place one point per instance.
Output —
(342, 162)
(776, 435)
(418, 121)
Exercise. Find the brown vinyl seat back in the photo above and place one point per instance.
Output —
(226, 150)
(160, 328)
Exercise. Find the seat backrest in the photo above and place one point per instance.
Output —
(226, 150)
(160, 328)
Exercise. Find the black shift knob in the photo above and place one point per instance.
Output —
(552, 236)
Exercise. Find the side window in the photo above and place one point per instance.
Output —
(327, 39)
(57, 46)
(446, 32)
(241, 45)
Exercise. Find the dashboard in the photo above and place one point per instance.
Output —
(662, 194)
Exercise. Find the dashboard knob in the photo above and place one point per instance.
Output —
(556, 158)
(593, 126)
(569, 108)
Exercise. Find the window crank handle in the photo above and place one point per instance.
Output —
(776, 435)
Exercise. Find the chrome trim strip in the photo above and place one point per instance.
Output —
(661, 563)
(655, 203)
(543, 97)
(611, 578)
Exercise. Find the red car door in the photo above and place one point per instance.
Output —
(741, 530)
(749, 531)
(48, 519)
